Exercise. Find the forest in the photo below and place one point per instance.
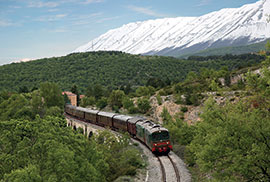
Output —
(231, 143)
(36, 145)
(232, 140)
(109, 69)
(236, 50)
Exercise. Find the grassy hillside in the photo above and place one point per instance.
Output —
(237, 50)
(110, 69)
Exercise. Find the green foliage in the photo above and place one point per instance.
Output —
(88, 101)
(157, 83)
(29, 173)
(143, 105)
(127, 103)
(184, 109)
(54, 111)
(27, 106)
(159, 99)
(106, 69)
(145, 91)
(37, 104)
(115, 99)
(133, 110)
(180, 132)
(223, 51)
(214, 86)
(124, 160)
(23, 89)
(16, 106)
(40, 150)
(96, 91)
(102, 102)
(52, 94)
(66, 99)
(47, 150)
(267, 46)
(232, 142)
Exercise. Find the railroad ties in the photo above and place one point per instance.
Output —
(170, 172)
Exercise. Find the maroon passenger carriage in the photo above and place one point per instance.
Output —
(154, 136)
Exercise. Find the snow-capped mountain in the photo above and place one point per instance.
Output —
(175, 36)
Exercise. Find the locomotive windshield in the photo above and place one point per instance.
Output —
(163, 135)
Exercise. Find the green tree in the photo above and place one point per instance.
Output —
(102, 102)
(267, 46)
(23, 89)
(88, 101)
(143, 105)
(66, 99)
(54, 111)
(29, 173)
(145, 91)
(115, 99)
(96, 91)
(232, 142)
(214, 86)
(17, 106)
(127, 103)
(37, 104)
(51, 94)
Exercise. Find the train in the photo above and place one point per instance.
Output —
(154, 136)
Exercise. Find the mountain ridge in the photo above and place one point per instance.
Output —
(182, 35)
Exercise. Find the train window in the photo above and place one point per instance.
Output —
(164, 135)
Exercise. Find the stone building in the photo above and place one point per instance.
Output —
(72, 97)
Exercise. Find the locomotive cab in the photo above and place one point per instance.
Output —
(161, 142)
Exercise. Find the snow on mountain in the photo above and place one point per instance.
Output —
(175, 36)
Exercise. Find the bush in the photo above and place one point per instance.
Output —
(184, 109)
(133, 110)
(88, 101)
(162, 92)
(54, 111)
(143, 105)
(127, 103)
(101, 103)
(159, 99)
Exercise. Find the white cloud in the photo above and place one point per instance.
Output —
(15, 7)
(107, 19)
(7, 23)
(85, 19)
(146, 11)
(51, 17)
(53, 10)
(59, 30)
(92, 1)
(41, 4)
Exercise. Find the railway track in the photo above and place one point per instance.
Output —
(169, 170)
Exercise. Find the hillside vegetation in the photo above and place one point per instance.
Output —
(234, 50)
(230, 143)
(109, 69)
(36, 144)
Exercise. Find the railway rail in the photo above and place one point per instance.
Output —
(167, 165)
(169, 170)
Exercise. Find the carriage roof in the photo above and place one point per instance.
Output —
(106, 114)
(122, 117)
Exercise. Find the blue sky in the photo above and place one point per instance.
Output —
(41, 28)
